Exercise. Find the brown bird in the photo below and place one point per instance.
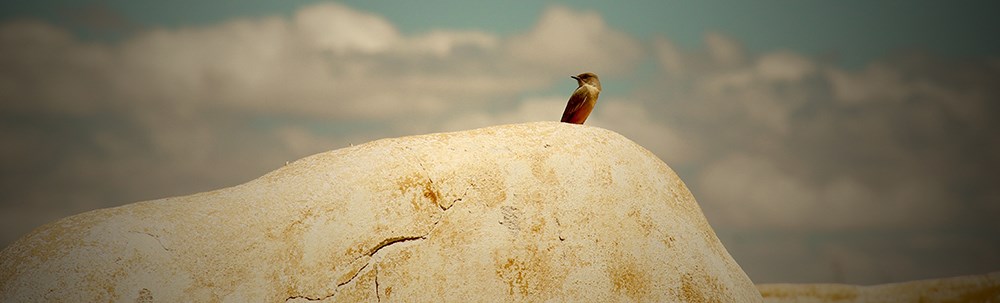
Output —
(582, 102)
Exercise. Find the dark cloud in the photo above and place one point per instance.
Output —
(798, 149)
(98, 18)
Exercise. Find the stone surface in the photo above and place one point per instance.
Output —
(979, 288)
(529, 212)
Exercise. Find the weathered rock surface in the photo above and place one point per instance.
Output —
(530, 212)
(979, 288)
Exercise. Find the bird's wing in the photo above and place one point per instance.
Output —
(575, 101)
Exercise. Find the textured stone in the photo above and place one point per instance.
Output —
(979, 288)
(527, 212)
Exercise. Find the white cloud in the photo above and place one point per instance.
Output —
(443, 43)
(724, 50)
(37, 58)
(669, 56)
(568, 40)
(876, 83)
(636, 122)
(341, 29)
(746, 191)
(328, 60)
(750, 192)
(784, 66)
(344, 30)
(744, 95)
(528, 110)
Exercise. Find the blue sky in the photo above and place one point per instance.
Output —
(849, 142)
(849, 32)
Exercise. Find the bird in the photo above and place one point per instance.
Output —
(582, 102)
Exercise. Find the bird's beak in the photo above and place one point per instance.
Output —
(575, 77)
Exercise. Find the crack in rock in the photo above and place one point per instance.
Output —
(559, 230)
(335, 291)
(155, 237)
(308, 298)
(456, 200)
(370, 253)
(433, 188)
(390, 241)
(378, 296)
(355, 275)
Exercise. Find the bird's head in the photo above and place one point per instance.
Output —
(587, 78)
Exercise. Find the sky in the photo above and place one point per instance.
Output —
(826, 142)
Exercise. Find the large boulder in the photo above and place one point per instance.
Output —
(527, 212)
(977, 288)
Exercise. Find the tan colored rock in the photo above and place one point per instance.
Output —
(530, 212)
(979, 288)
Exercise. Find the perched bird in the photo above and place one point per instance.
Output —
(583, 99)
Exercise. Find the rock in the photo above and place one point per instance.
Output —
(978, 288)
(527, 212)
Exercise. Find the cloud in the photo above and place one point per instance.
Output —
(442, 43)
(723, 50)
(751, 192)
(637, 122)
(668, 55)
(784, 66)
(328, 60)
(877, 82)
(811, 146)
(790, 143)
(98, 18)
(529, 109)
(42, 67)
(564, 39)
(341, 29)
